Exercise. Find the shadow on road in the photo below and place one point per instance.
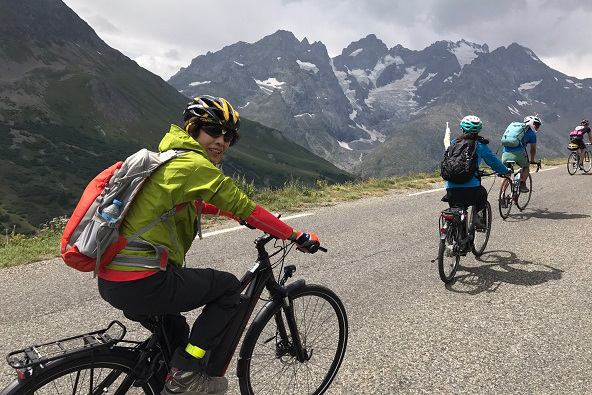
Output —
(543, 213)
(494, 268)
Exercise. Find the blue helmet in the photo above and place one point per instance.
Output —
(471, 123)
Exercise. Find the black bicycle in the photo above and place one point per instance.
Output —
(510, 191)
(295, 344)
(458, 235)
(575, 161)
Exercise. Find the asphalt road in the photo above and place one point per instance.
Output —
(517, 321)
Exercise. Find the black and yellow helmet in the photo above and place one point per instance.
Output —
(213, 110)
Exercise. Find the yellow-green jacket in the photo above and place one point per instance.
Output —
(187, 178)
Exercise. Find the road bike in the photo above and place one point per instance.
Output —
(294, 345)
(573, 161)
(458, 235)
(510, 191)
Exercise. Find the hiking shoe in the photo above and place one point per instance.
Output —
(193, 383)
(523, 187)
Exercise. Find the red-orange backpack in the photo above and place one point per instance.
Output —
(91, 239)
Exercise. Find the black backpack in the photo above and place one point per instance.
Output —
(460, 161)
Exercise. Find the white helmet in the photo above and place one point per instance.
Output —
(532, 119)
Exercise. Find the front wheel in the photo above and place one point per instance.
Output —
(481, 236)
(505, 198)
(104, 372)
(270, 355)
(572, 163)
(587, 162)
(524, 197)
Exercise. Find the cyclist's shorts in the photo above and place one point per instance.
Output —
(517, 156)
(579, 142)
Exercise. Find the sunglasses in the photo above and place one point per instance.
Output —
(216, 131)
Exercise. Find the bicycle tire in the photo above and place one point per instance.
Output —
(71, 375)
(505, 200)
(451, 238)
(524, 197)
(572, 163)
(481, 244)
(270, 366)
(587, 162)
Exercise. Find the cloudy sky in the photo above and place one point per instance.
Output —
(164, 36)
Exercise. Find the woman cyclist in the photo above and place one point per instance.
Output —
(472, 193)
(211, 126)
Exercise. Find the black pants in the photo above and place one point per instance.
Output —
(474, 196)
(177, 290)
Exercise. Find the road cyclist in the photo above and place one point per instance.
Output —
(576, 142)
(519, 154)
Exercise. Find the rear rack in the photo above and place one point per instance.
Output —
(38, 354)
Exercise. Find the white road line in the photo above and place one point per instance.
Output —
(430, 191)
(549, 168)
(218, 232)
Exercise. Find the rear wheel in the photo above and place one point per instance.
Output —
(481, 236)
(587, 162)
(572, 163)
(449, 254)
(524, 197)
(101, 373)
(505, 199)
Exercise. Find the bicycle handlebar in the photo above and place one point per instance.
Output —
(261, 241)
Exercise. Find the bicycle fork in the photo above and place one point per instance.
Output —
(283, 347)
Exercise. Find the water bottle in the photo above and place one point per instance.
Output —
(111, 212)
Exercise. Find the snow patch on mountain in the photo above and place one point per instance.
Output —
(356, 52)
(533, 56)
(369, 77)
(426, 79)
(399, 93)
(307, 66)
(350, 94)
(465, 52)
(345, 145)
(513, 110)
(269, 85)
(374, 135)
(196, 83)
(529, 85)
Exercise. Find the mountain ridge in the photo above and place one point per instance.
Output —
(376, 93)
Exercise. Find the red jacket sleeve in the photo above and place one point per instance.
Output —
(269, 223)
(210, 209)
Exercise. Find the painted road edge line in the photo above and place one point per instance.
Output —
(429, 191)
(218, 232)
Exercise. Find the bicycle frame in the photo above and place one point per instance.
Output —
(254, 281)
